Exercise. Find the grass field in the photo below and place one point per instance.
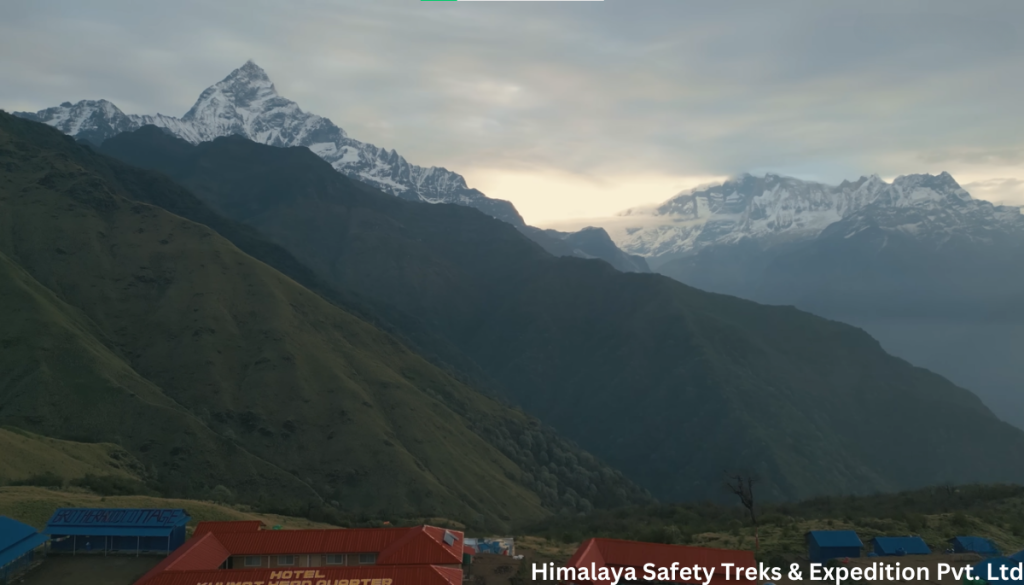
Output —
(27, 455)
(35, 505)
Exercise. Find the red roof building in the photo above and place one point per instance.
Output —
(619, 554)
(404, 575)
(228, 548)
(222, 527)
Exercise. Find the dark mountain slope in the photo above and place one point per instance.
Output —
(324, 404)
(589, 242)
(60, 379)
(670, 384)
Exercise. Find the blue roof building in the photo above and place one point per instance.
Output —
(974, 544)
(1018, 557)
(21, 547)
(888, 546)
(823, 545)
(125, 530)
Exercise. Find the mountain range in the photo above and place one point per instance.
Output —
(665, 382)
(773, 210)
(131, 315)
(921, 265)
(246, 103)
(251, 300)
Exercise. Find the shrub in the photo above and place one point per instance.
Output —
(45, 479)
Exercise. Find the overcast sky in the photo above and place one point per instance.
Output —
(575, 109)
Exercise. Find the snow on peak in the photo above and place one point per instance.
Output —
(775, 209)
(246, 103)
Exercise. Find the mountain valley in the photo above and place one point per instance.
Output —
(918, 263)
(665, 365)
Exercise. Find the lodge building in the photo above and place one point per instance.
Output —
(248, 552)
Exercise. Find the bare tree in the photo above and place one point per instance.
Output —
(743, 487)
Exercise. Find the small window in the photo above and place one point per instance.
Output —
(335, 559)
(367, 558)
(285, 560)
(253, 561)
(449, 538)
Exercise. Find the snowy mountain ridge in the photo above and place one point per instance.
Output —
(246, 103)
(773, 209)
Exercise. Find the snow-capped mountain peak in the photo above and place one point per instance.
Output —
(916, 189)
(246, 103)
(245, 89)
(775, 209)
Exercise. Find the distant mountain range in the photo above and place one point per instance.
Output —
(931, 272)
(246, 103)
(772, 210)
(665, 382)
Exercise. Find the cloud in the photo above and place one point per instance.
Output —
(599, 90)
(1001, 191)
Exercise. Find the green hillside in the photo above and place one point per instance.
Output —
(127, 324)
(33, 458)
(670, 384)
(35, 505)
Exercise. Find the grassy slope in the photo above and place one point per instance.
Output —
(668, 383)
(26, 455)
(35, 505)
(60, 380)
(136, 326)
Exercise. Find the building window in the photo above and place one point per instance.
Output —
(335, 559)
(253, 561)
(367, 558)
(285, 560)
(449, 538)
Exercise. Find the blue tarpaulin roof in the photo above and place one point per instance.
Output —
(982, 546)
(17, 539)
(115, 518)
(911, 545)
(1019, 557)
(108, 531)
(835, 538)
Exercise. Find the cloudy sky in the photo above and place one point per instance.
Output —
(575, 109)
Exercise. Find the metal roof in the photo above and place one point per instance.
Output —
(395, 547)
(911, 545)
(13, 532)
(200, 553)
(417, 575)
(1019, 556)
(117, 517)
(220, 527)
(976, 544)
(421, 545)
(158, 532)
(602, 552)
(835, 538)
(16, 539)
